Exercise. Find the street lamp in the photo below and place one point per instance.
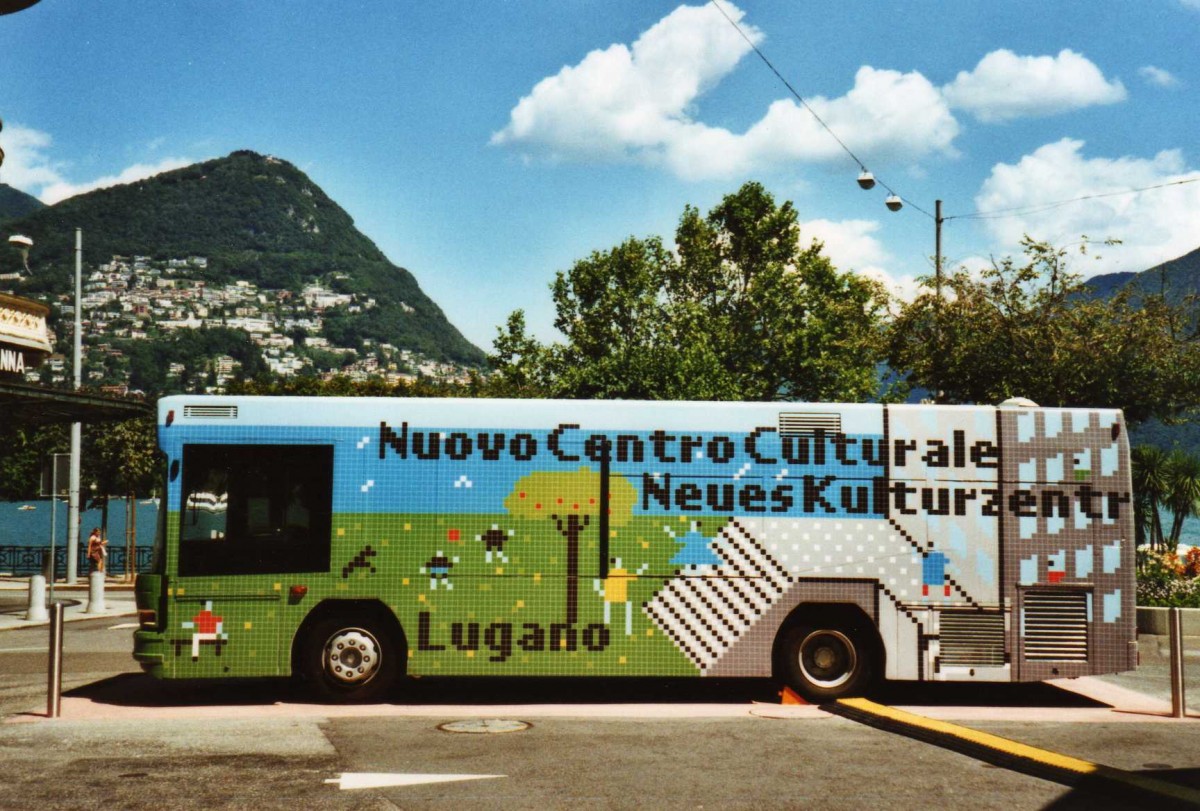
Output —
(22, 244)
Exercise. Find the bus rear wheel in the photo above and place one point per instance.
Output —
(350, 660)
(825, 661)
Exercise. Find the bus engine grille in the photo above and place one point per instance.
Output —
(1055, 626)
(211, 411)
(971, 638)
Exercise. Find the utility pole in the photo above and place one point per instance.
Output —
(76, 428)
(937, 311)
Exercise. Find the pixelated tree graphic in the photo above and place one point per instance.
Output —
(572, 501)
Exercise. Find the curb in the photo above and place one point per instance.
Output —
(1019, 757)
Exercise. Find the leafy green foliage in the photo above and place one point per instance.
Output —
(25, 449)
(738, 312)
(194, 348)
(1026, 330)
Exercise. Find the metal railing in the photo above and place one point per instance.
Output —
(21, 561)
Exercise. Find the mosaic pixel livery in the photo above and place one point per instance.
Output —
(623, 538)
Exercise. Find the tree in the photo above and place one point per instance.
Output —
(738, 312)
(1033, 330)
(26, 450)
(120, 458)
(620, 338)
(571, 500)
(1149, 491)
(1182, 496)
(775, 320)
(520, 362)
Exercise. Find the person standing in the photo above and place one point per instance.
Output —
(97, 550)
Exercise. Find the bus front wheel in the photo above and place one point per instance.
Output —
(826, 661)
(350, 660)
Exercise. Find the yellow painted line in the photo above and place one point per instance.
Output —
(1044, 757)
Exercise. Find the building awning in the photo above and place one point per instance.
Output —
(37, 405)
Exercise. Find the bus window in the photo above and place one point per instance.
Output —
(255, 509)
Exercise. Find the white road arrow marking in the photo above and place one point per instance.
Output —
(353, 780)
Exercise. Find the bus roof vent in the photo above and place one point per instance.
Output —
(794, 423)
(211, 412)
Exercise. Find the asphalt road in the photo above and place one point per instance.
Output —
(235, 749)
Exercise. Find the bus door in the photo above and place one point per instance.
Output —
(253, 520)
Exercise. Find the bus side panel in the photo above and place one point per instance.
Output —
(1068, 542)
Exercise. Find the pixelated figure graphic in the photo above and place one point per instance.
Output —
(438, 568)
(933, 573)
(360, 562)
(1056, 566)
(696, 551)
(493, 543)
(615, 589)
(206, 629)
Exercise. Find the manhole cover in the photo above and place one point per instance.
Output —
(484, 726)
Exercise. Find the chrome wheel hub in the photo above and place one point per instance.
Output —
(828, 658)
(352, 656)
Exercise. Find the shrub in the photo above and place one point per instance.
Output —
(1164, 581)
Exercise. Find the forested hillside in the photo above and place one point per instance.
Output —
(254, 218)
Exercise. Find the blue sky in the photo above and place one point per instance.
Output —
(486, 145)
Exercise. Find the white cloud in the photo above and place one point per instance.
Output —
(628, 99)
(638, 103)
(1157, 76)
(852, 245)
(29, 167)
(1004, 86)
(61, 190)
(886, 113)
(1154, 225)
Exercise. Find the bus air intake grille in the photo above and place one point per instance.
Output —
(210, 412)
(971, 638)
(1055, 626)
(795, 423)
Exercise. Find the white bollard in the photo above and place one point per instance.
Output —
(95, 593)
(37, 600)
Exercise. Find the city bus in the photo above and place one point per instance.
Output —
(353, 541)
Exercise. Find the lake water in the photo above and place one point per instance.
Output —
(25, 527)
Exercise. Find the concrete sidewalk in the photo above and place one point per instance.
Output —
(14, 601)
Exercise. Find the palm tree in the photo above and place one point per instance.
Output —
(1182, 496)
(1149, 491)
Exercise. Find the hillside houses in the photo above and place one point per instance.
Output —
(133, 298)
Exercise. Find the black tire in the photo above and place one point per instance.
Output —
(827, 660)
(346, 660)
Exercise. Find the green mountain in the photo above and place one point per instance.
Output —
(1176, 279)
(15, 203)
(255, 218)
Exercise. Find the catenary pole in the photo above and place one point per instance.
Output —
(76, 428)
(937, 312)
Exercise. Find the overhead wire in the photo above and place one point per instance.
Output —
(979, 215)
(809, 109)
(1017, 211)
